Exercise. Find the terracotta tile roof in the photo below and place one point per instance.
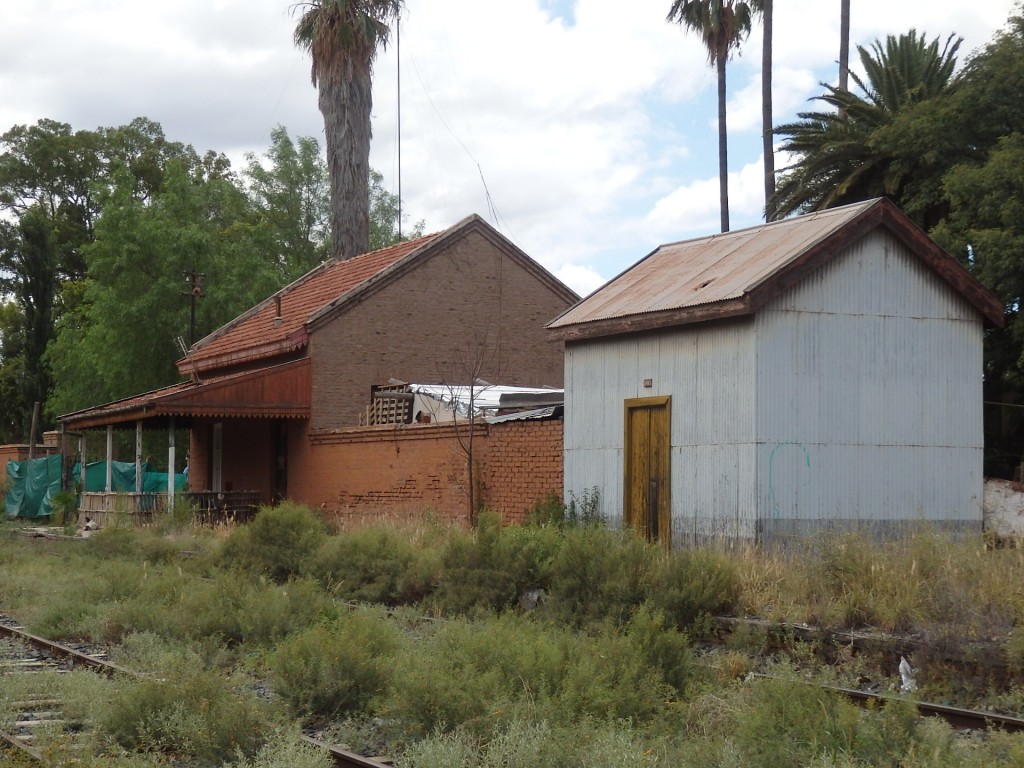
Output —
(257, 334)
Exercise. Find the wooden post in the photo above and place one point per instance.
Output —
(110, 459)
(81, 458)
(33, 431)
(138, 456)
(170, 465)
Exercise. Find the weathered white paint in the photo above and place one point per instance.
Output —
(854, 397)
(708, 372)
(869, 396)
(1004, 510)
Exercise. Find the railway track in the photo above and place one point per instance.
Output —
(24, 653)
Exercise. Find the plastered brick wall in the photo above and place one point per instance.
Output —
(406, 471)
(468, 303)
(522, 467)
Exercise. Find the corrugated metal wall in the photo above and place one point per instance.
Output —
(869, 397)
(709, 373)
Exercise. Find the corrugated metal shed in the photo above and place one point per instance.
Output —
(839, 384)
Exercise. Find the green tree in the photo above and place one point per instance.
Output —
(342, 37)
(985, 225)
(122, 338)
(722, 25)
(290, 190)
(849, 153)
(14, 425)
(986, 230)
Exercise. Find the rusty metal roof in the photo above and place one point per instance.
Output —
(278, 391)
(731, 273)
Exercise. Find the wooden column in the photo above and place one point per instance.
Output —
(81, 458)
(170, 466)
(110, 459)
(138, 456)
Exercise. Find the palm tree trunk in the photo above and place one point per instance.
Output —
(345, 102)
(844, 44)
(723, 150)
(844, 49)
(767, 144)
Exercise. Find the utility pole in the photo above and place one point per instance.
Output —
(195, 283)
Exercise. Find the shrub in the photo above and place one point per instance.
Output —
(599, 575)
(490, 568)
(477, 672)
(335, 668)
(375, 565)
(693, 583)
(278, 543)
(191, 713)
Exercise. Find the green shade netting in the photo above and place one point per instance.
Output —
(32, 484)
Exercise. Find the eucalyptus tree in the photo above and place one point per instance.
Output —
(342, 38)
(722, 26)
(849, 152)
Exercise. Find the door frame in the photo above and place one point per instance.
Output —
(664, 503)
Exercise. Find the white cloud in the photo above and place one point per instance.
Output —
(588, 128)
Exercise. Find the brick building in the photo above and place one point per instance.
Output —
(275, 400)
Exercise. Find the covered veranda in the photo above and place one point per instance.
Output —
(239, 428)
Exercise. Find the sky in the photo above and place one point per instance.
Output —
(585, 131)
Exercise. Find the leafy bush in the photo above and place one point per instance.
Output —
(278, 543)
(491, 567)
(374, 565)
(191, 713)
(693, 583)
(476, 672)
(526, 743)
(335, 668)
(599, 575)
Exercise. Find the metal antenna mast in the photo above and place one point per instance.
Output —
(398, 51)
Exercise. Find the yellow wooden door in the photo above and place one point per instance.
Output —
(648, 500)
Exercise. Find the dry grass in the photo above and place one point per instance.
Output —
(925, 582)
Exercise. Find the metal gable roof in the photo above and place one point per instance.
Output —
(732, 273)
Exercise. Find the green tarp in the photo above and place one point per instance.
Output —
(32, 484)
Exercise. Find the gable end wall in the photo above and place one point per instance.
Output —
(869, 401)
(429, 326)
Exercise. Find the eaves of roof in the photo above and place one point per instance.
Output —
(277, 391)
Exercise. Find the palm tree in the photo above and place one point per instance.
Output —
(844, 45)
(343, 36)
(722, 25)
(842, 154)
(767, 135)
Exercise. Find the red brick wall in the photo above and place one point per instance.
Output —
(371, 472)
(427, 326)
(404, 472)
(522, 467)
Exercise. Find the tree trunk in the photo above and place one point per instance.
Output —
(767, 143)
(844, 49)
(345, 102)
(723, 150)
